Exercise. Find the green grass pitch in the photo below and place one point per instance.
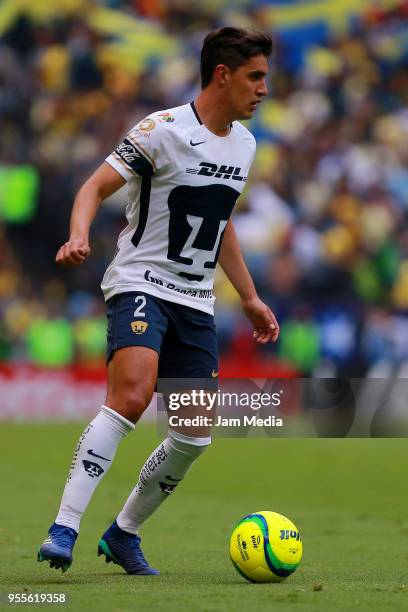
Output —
(348, 497)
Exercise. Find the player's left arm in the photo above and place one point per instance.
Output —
(266, 327)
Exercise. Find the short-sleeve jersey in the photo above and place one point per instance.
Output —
(183, 182)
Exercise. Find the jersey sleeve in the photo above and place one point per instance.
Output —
(140, 152)
(253, 147)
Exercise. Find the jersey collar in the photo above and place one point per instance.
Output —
(193, 108)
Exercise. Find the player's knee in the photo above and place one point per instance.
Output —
(131, 404)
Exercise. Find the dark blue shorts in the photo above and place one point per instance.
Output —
(184, 337)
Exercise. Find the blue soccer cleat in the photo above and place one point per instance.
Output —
(124, 549)
(57, 547)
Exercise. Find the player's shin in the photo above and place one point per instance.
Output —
(92, 458)
(160, 475)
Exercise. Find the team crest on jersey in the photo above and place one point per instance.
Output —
(166, 117)
(139, 327)
(146, 125)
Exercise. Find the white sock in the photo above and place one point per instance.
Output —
(93, 457)
(160, 475)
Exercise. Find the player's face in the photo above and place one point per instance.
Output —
(247, 86)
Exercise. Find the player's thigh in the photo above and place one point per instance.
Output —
(136, 327)
(190, 348)
(189, 361)
(132, 376)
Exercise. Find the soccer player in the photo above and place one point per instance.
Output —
(185, 168)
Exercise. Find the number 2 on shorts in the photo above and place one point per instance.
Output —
(141, 300)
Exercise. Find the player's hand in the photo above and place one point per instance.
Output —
(73, 252)
(266, 328)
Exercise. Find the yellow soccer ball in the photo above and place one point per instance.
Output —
(265, 547)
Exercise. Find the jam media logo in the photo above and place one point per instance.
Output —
(92, 469)
(139, 327)
(223, 171)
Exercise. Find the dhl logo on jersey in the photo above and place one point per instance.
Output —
(223, 171)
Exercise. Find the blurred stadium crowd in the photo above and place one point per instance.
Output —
(324, 219)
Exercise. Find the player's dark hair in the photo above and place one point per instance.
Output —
(232, 47)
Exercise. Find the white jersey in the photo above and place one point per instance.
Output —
(183, 182)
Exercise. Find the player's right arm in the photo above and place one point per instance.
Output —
(103, 183)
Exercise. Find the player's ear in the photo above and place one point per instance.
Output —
(222, 74)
